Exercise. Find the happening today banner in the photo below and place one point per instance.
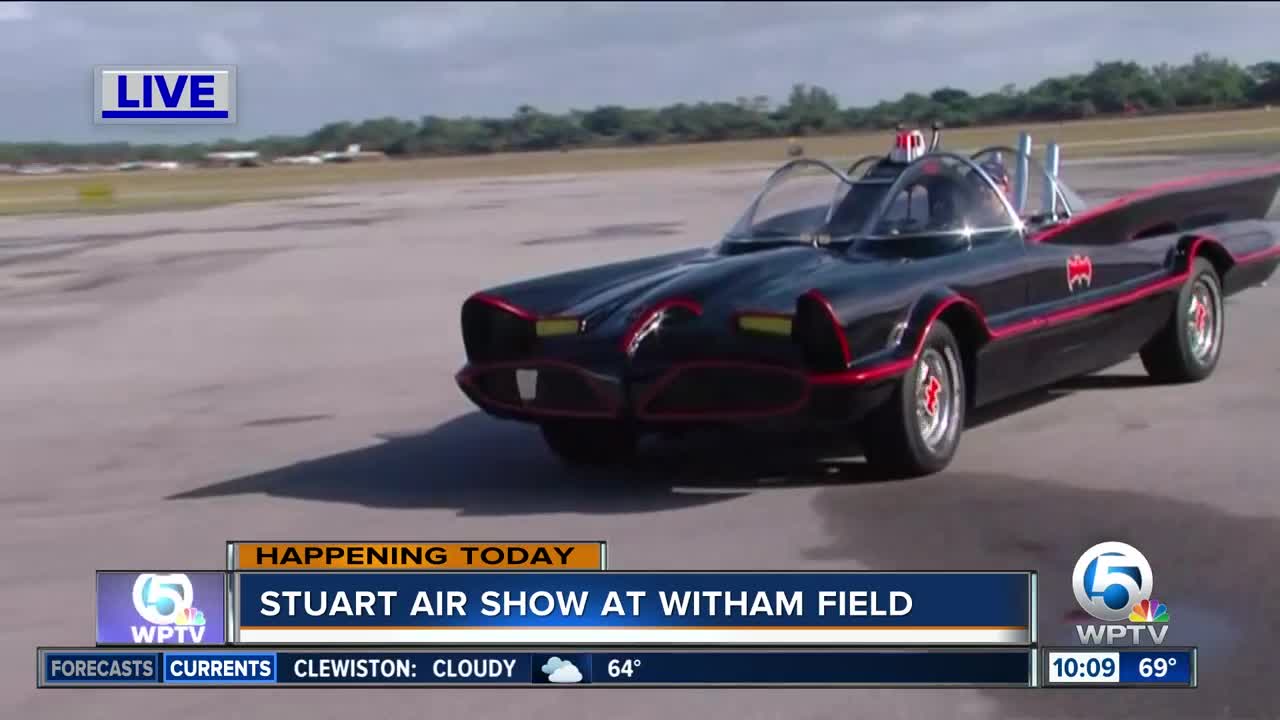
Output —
(633, 607)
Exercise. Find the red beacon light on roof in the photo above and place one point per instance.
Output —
(908, 145)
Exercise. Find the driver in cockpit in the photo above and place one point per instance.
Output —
(989, 208)
(944, 206)
(997, 172)
(969, 201)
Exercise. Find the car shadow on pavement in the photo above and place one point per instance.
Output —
(482, 466)
(472, 463)
(1214, 570)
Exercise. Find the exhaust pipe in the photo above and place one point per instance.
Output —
(1052, 160)
(1021, 174)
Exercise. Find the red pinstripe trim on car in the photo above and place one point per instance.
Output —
(835, 323)
(503, 305)
(690, 305)
(895, 367)
(1258, 255)
(1147, 192)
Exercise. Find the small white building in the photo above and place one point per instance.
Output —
(299, 160)
(233, 158)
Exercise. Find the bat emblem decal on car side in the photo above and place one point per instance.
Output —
(1079, 272)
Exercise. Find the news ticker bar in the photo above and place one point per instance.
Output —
(626, 607)
(392, 556)
(1119, 667)
(566, 608)
(345, 667)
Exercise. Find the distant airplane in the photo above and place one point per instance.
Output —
(343, 155)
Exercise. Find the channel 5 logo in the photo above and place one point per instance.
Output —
(172, 95)
(1113, 582)
(167, 604)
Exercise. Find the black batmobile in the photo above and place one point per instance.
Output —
(884, 302)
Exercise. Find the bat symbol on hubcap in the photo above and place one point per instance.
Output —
(931, 389)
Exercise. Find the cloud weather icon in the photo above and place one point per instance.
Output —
(561, 671)
(566, 673)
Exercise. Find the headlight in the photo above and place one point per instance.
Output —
(768, 324)
(551, 327)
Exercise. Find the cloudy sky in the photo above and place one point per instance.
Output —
(303, 64)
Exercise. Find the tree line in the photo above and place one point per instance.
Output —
(1112, 87)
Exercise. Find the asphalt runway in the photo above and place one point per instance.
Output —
(285, 371)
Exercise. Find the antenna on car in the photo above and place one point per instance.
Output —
(937, 135)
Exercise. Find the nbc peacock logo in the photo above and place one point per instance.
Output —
(189, 616)
(1149, 611)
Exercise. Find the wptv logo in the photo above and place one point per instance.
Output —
(1113, 582)
(167, 604)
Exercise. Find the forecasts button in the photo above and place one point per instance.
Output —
(80, 668)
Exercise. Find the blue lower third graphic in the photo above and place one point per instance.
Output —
(623, 608)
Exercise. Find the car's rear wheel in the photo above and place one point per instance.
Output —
(917, 430)
(1188, 348)
(595, 442)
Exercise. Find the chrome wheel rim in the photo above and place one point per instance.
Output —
(937, 394)
(1203, 323)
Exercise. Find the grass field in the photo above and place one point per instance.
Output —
(204, 187)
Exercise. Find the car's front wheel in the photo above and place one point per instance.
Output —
(583, 442)
(917, 430)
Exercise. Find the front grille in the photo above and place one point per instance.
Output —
(726, 391)
(554, 390)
